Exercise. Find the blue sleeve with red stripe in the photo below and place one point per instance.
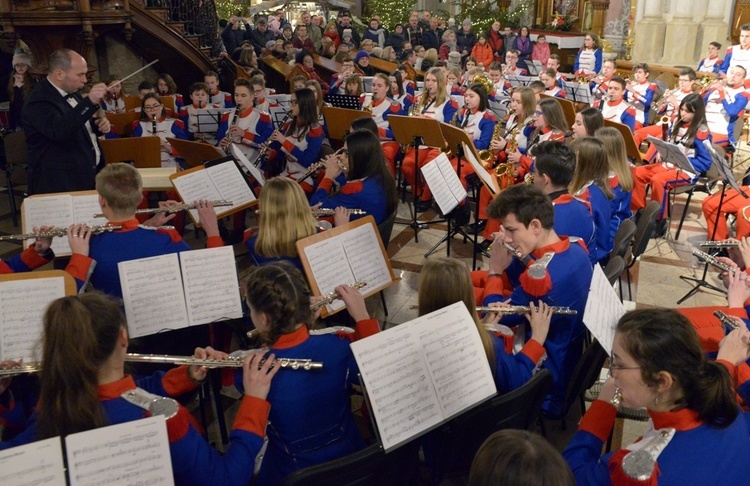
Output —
(486, 127)
(628, 118)
(727, 60)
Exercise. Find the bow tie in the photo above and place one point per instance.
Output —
(71, 96)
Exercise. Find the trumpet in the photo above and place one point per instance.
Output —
(730, 323)
(662, 104)
(719, 244)
(331, 296)
(330, 212)
(321, 165)
(173, 209)
(711, 260)
(229, 362)
(95, 230)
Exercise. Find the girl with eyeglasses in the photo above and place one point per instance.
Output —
(154, 122)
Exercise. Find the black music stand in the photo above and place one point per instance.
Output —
(579, 92)
(343, 101)
(416, 131)
(728, 176)
(195, 153)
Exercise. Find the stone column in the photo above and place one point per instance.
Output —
(649, 33)
(680, 36)
(713, 28)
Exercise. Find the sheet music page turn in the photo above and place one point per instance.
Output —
(603, 309)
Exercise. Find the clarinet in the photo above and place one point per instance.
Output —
(228, 137)
(153, 125)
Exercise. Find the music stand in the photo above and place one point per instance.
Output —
(131, 103)
(140, 152)
(122, 123)
(534, 67)
(415, 131)
(195, 153)
(455, 139)
(208, 120)
(728, 177)
(630, 147)
(338, 120)
(579, 92)
(343, 101)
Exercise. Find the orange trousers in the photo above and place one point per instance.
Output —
(660, 179)
(733, 203)
(409, 169)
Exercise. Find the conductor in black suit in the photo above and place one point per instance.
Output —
(61, 127)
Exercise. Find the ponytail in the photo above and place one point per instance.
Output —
(80, 334)
(711, 395)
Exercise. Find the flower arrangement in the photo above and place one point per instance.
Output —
(561, 22)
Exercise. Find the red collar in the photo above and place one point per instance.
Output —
(292, 339)
(127, 225)
(684, 419)
(198, 107)
(247, 112)
(377, 103)
(218, 91)
(116, 388)
(615, 103)
(714, 57)
(558, 247)
(546, 129)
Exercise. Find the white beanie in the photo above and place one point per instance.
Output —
(21, 58)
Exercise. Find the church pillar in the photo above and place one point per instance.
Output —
(649, 33)
(680, 36)
(713, 27)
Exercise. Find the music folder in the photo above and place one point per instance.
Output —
(140, 152)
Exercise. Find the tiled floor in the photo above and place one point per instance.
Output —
(658, 271)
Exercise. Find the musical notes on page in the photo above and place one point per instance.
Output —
(22, 306)
(444, 183)
(244, 160)
(55, 211)
(85, 207)
(211, 285)
(488, 178)
(152, 294)
(421, 373)
(34, 464)
(194, 186)
(128, 453)
(603, 309)
(231, 184)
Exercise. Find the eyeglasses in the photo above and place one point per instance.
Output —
(259, 91)
(151, 107)
(613, 368)
(293, 102)
(538, 113)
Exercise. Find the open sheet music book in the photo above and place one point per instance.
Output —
(129, 453)
(603, 309)
(60, 210)
(489, 179)
(424, 372)
(215, 180)
(444, 183)
(343, 255)
(171, 292)
(24, 298)
(38, 463)
(250, 169)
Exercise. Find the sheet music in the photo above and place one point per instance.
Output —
(231, 184)
(194, 186)
(435, 177)
(488, 178)
(33, 464)
(398, 384)
(211, 284)
(49, 211)
(422, 372)
(152, 294)
(22, 305)
(673, 154)
(84, 209)
(453, 348)
(128, 453)
(451, 177)
(254, 171)
(603, 309)
(354, 255)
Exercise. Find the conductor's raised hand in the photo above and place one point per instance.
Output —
(98, 91)
(256, 378)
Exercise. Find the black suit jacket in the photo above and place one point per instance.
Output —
(61, 155)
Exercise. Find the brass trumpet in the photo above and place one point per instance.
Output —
(95, 230)
(175, 209)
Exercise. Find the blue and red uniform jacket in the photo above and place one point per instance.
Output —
(307, 157)
(601, 208)
(573, 218)
(17, 404)
(366, 194)
(569, 276)
(257, 133)
(620, 205)
(311, 420)
(513, 370)
(697, 454)
(485, 127)
(728, 57)
(132, 242)
(716, 67)
(177, 129)
(733, 110)
(597, 61)
(25, 261)
(701, 157)
(194, 461)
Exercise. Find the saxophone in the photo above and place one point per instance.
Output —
(416, 108)
(486, 156)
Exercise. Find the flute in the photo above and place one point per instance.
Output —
(330, 212)
(174, 209)
(19, 370)
(705, 257)
(228, 362)
(512, 250)
(517, 309)
(321, 165)
(730, 323)
(95, 230)
(331, 296)
(719, 244)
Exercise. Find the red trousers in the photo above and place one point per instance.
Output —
(733, 203)
(408, 168)
(642, 134)
(390, 150)
(660, 179)
(709, 329)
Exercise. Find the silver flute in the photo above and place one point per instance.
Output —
(19, 370)
(228, 362)
(730, 323)
(95, 230)
(705, 257)
(512, 250)
(331, 296)
(330, 212)
(174, 209)
(517, 309)
(719, 244)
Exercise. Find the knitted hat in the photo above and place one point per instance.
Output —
(360, 55)
(347, 32)
(454, 57)
(262, 21)
(270, 44)
(466, 22)
(21, 58)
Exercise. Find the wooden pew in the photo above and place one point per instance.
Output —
(326, 67)
(388, 67)
(277, 73)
